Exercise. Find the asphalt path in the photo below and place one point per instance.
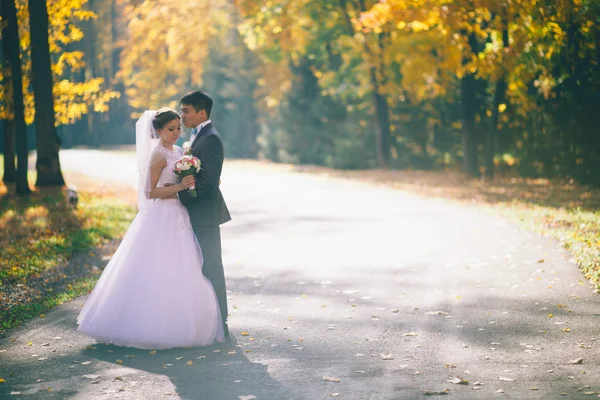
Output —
(343, 289)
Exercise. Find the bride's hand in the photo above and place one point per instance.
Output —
(187, 182)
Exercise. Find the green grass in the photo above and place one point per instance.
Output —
(27, 310)
(578, 231)
(39, 234)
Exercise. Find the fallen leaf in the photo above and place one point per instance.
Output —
(534, 388)
(189, 363)
(331, 379)
(589, 393)
(499, 391)
(245, 333)
(435, 392)
(457, 380)
(92, 377)
(42, 359)
(249, 397)
(2, 380)
(450, 365)
(43, 316)
(86, 363)
(578, 361)
(130, 356)
(334, 394)
(119, 361)
(29, 344)
(153, 352)
(504, 379)
(237, 381)
(436, 313)
(386, 356)
(567, 329)
(411, 334)
(179, 358)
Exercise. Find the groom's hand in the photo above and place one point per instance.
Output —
(173, 196)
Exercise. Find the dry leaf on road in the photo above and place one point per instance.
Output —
(504, 379)
(435, 392)
(331, 379)
(458, 381)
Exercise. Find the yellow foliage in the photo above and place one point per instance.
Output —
(72, 100)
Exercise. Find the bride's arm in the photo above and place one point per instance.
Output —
(166, 191)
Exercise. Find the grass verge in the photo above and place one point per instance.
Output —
(50, 251)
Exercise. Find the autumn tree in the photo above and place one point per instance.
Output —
(48, 164)
(10, 34)
(7, 112)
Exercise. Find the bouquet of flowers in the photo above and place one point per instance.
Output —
(188, 164)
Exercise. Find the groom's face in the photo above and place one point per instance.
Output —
(190, 117)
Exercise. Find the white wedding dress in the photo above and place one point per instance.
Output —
(152, 294)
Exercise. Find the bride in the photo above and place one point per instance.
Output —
(152, 294)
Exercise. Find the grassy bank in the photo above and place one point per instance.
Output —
(50, 251)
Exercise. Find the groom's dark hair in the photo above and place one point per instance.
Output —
(199, 100)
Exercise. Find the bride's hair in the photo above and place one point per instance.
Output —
(163, 117)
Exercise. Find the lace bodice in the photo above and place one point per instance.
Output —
(167, 175)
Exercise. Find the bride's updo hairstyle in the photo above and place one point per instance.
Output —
(161, 118)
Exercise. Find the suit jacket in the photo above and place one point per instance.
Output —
(208, 207)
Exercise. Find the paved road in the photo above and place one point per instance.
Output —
(390, 293)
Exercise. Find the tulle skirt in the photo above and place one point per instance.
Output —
(152, 294)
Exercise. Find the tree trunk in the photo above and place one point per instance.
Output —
(382, 111)
(468, 102)
(499, 97)
(10, 171)
(10, 33)
(382, 115)
(48, 163)
(469, 139)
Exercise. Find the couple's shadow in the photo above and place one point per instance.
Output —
(218, 372)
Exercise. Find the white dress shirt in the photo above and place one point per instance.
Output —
(198, 129)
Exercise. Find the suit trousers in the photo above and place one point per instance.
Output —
(209, 237)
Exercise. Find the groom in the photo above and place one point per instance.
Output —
(207, 210)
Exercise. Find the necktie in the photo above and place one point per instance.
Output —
(193, 134)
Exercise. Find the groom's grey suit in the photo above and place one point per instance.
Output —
(208, 209)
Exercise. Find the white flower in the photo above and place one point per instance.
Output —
(185, 146)
(186, 166)
(179, 166)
